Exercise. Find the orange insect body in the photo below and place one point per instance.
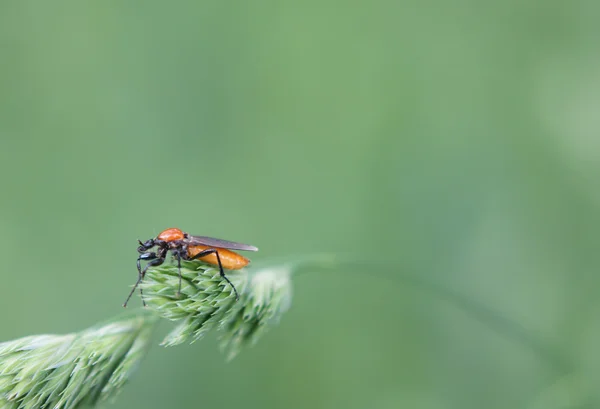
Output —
(184, 246)
(172, 234)
(229, 259)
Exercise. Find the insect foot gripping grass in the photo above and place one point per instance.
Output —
(207, 301)
(74, 370)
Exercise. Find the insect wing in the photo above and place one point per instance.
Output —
(224, 244)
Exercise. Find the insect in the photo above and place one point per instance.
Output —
(184, 246)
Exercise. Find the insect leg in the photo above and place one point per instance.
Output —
(154, 260)
(152, 263)
(211, 251)
(178, 253)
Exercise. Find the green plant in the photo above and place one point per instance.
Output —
(207, 302)
(81, 369)
(73, 370)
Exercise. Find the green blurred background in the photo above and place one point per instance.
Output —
(457, 142)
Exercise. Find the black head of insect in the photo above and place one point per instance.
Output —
(146, 245)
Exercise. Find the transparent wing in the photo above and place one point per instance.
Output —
(224, 244)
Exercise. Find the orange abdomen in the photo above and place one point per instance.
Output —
(229, 259)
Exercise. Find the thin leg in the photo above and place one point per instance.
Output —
(179, 269)
(136, 284)
(154, 261)
(211, 251)
(145, 256)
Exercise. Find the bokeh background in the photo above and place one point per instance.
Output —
(456, 143)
